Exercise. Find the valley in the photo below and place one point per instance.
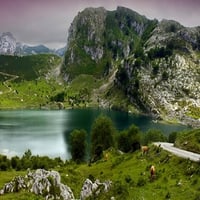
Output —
(114, 59)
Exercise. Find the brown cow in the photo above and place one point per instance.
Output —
(145, 149)
(152, 172)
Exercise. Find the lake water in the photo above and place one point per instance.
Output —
(46, 132)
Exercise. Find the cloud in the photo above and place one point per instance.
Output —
(47, 21)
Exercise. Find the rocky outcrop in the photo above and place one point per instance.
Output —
(87, 26)
(96, 36)
(7, 44)
(89, 188)
(157, 62)
(48, 184)
(40, 182)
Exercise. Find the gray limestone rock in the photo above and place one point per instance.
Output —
(40, 182)
(89, 188)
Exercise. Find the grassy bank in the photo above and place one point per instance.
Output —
(175, 178)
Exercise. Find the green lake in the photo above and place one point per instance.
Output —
(45, 132)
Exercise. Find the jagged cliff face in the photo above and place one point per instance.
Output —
(166, 82)
(157, 63)
(7, 44)
(86, 32)
(97, 37)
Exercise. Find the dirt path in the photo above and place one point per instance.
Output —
(179, 152)
(13, 77)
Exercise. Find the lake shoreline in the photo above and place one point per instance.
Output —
(189, 122)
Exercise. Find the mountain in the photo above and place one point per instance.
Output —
(9, 46)
(96, 37)
(60, 51)
(155, 64)
(29, 50)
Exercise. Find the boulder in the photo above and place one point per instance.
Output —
(89, 188)
(40, 182)
(18, 183)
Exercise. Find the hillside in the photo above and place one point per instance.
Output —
(129, 174)
(115, 59)
(189, 140)
(28, 81)
(154, 65)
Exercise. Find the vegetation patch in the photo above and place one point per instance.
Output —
(189, 140)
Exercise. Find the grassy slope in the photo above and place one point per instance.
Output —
(28, 94)
(189, 140)
(176, 178)
(28, 67)
(24, 83)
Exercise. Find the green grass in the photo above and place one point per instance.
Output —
(176, 178)
(28, 67)
(189, 140)
(28, 94)
(130, 171)
(194, 112)
(84, 81)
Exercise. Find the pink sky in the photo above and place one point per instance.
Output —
(47, 21)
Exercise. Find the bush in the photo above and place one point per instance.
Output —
(141, 182)
(154, 135)
(15, 163)
(4, 163)
(78, 145)
(129, 140)
(102, 135)
(60, 97)
(172, 137)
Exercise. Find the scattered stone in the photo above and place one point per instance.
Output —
(40, 182)
(48, 184)
(89, 188)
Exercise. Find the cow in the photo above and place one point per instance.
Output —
(152, 172)
(145, 149)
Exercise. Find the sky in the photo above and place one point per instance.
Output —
(47, 21)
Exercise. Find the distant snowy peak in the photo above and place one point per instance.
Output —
(8, 44)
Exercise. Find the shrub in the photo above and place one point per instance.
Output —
(78, 145)
(129, 140)
(154, 135)
(172, 137)
(102, 135)
(141, 182)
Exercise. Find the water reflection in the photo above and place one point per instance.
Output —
(47, 132)
(39, 131)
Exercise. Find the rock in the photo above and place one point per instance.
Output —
(1, 192)
(18, 183)
(48, 184)
(89, 188)
(40, 182)
(7, 44)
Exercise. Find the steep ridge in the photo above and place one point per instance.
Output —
(157, 63)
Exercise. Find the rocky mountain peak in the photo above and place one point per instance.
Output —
(88, 27)
(156, 63)
(96, 36)
(7, 43)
